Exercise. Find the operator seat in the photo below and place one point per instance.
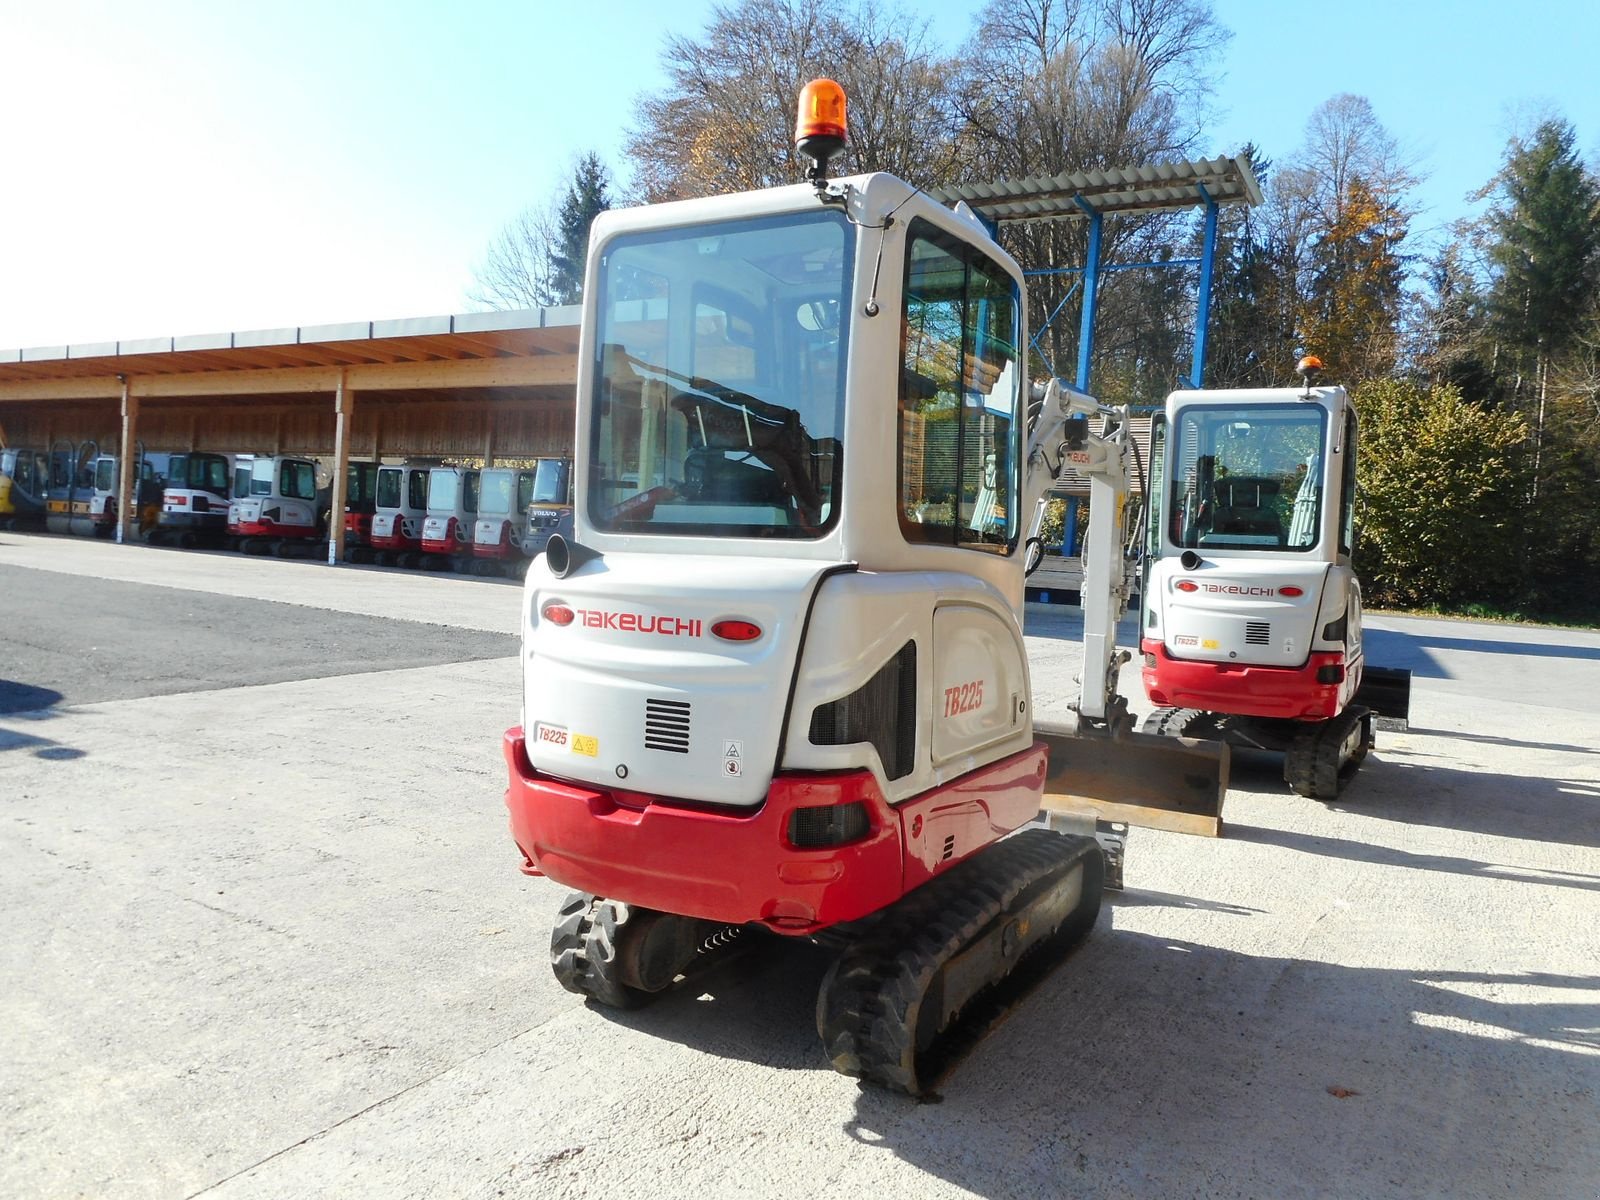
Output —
(1247, 505)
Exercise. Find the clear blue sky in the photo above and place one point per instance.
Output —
(188, 166)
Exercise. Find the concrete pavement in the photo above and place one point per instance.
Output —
(271, 940)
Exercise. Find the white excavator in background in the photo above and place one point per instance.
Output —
(400, 503)
(286, 510)
(776, 676)
(1252, 629)
(194, 501)
(452, 509)
(504, 494)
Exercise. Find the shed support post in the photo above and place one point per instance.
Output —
(127, 483)
(1202, 309)
(488, 437)
(1091, 299)
(343, 401)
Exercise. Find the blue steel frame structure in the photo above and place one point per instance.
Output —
(1204, 183)
(1091, 196)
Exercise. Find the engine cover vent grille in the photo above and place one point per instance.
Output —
(666, 725)
(882, 711)
(1257, 633)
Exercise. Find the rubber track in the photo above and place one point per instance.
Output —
(1169, 722)
(583, 950)
(868, 1008)
(1311, 765)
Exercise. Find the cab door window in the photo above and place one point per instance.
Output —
(959, 390)
(298, 480)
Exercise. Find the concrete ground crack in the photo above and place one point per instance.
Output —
(361, 1112)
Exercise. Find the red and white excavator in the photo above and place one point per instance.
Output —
(286, 511)
(1252, 626)
(776, 675)
(360, 506)
(400, 505)
(504, 494)
(96, 516)
(452, 509)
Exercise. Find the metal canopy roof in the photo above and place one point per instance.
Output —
(1081, 194)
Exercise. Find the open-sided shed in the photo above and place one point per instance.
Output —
(470, 386)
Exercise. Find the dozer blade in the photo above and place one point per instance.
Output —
(1171, 783)
(1387, 692)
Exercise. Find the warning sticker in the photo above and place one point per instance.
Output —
(733, 758)
(583, 743)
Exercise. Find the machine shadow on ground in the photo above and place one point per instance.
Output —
(1394, 785)
(18, 697)
(1410, 649)
(1561, 810)
(28, 704)
(1489, 739)
(1266, 1060)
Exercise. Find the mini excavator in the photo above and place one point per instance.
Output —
(775, 676)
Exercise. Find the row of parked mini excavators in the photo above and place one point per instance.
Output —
(72, 488)
(775, 677)
(488, 521)
(485, 521)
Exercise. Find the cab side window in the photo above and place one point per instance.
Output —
(960, 381)
(298, 481)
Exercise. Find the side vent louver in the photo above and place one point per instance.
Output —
(882, 712)
(1257, 633)
(666, 725)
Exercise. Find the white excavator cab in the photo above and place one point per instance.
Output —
(452, 508)
(400, 507)
(799, 454)
(1252, 518)
(286, 502)
(1252, 625)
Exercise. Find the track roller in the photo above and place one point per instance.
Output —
(621, 955)
(1324, 756)
(901, 1003)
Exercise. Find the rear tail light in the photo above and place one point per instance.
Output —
(1187, 585)
(1332, 673)
(737, 631)
(1291, 590)
(828, 825)
(556, 614)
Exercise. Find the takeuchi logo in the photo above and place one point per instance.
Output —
(629, 622)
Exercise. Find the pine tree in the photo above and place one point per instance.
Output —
(586, 199)
(1545, 256)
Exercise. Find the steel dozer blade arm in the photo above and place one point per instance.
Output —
(1176, 784)
(1387, 692)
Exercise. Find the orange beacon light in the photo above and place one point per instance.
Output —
(820, 130)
